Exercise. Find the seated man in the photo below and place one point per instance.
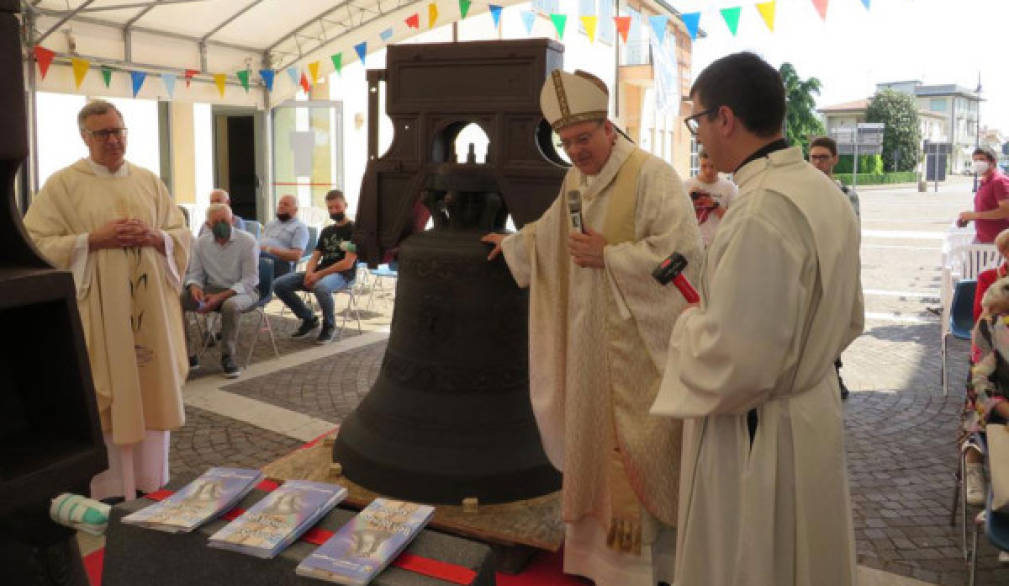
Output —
(221, 196)
(284, 239)
(330, 269)
(222, 276)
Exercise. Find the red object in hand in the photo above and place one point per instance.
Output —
(671, 269)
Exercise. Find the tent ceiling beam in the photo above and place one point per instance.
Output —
(67, 16)
(229, 20)
(81, 10)
(348, 4)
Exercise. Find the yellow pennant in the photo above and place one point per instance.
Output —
(432, 14)
(313, 68)
(590, 22)
(80, 67)
(767, 11)
(219, 80)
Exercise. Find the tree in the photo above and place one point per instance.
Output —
(800, 116)
(902, 137)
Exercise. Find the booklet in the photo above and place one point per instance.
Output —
(363, 547)
(279, 519)
(216, 491)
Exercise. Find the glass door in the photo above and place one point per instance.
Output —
(307, 154)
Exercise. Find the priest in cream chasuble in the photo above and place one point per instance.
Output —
(599, 326)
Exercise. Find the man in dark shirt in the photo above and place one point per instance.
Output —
(330, 269)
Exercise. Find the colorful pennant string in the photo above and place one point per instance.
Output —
(495, 13)
(168, 80)
(220, 80)
(267, 76)
(243, 78)
(362, 50)
(731, 16)
(766, 10)
(337, 61)
(137, 77)
(590, 23)
(80, 67)
(106, 75)
(821, 7)
(560, 21)
(45, 58)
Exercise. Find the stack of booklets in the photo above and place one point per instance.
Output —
(216, 491)
(279, 519)
(364, 546)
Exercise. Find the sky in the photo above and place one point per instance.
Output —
(935, 41)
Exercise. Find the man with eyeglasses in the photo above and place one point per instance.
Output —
(115, 227)
(763, 486)
(598, 329)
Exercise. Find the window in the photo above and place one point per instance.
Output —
(606, 28)
(636, 49)
(587, 8)
(547, 6)
(937, 104)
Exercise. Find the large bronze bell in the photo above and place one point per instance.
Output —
(449, 416)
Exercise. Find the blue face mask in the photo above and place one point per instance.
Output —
(222, 230)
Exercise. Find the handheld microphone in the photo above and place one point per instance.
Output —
(575, 210)
(671, 269)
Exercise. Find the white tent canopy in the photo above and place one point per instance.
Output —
(215, 37)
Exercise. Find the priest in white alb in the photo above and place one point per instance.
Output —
(115, 227)
(763, 486)
(598, 330)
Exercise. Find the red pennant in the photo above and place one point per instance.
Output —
(304, 83)
(413, 21)
(189, 76)
(623, 26)
(821, 7)
(45, 58)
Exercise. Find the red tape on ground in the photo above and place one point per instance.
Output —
(413, 563)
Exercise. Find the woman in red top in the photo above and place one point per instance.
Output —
(991, 202)
(986, 278)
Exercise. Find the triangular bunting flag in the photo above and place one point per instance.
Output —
(590, 23)
(243, 78)
(766, 10)
(821, 7)
(464, 7)
(267, 76)
(337, 61)
(106, 75)
(292, 72)
(560, 21)
(413, 21)
(866, 2)
(495, 13)
(432, 14)
(386, 34)
(362, 50)
(80, 67)
(528, 18)
(138, 78)
(304, 83)
(691, 20)
(313, 70)
(168, 80)
(659, 26)
(45, 58)
(731, 16)
(623, 26)
(219, 80)
(189, 76)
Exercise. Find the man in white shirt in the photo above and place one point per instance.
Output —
(711, 195)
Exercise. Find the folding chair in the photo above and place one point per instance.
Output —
(961, 322)
(351, 292)
(974, 441)
(996, 528)
(382, 272)
(313, 240)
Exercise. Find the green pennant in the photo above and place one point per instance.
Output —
(731, 16)
(559, 21)
(337, 61)
(243, 76)
(106, 75)
(464, 7)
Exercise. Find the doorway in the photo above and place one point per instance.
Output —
(236, 164)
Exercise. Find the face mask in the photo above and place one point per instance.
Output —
(283, 217)
(222, 230)
(337, 217)
(980, 167)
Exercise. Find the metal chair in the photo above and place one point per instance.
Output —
(351, 291)
(996, 528)
(961, 322)
(382, 272)
(255, 228)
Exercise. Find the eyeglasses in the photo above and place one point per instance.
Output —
(820, 157)
(105, 133)
(582, 140)
(693, 123)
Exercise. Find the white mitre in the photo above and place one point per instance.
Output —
(570, 98)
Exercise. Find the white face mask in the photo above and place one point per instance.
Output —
(980, 167)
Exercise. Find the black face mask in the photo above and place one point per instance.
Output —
(338, 216)
(283, 217)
